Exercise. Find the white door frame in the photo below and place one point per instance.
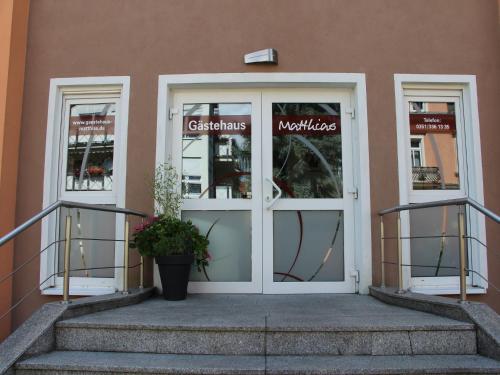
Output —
(354, 81)
(62, 90)
(345, 204)
(442, 85)
(421, 196)
(253, 205)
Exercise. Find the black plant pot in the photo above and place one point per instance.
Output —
(174, 275)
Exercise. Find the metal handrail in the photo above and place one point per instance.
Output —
(67, 241)
(445, 202)
(462, 235)
(54, 206)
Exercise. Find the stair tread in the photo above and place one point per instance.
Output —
(248, 313)
(219, 364)
(345, 324)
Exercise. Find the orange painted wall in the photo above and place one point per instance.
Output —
(13, 35)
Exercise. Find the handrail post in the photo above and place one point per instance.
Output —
(141, 270)
(141, 274)
(461, 237)
(400, 258)
(67, 255)
(125, 256)
(382, 252)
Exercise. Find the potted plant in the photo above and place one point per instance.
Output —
(175, 244)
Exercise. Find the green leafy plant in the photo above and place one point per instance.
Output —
(166, 234)
(163, 235)
(164, 190)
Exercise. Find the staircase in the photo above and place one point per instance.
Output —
(259, 334)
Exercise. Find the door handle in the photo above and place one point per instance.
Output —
(269, 198)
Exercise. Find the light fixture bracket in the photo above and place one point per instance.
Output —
(264, 56)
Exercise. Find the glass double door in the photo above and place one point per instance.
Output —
(265, 176)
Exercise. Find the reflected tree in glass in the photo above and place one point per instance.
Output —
(304, 165)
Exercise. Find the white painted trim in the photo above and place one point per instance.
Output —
(81, 87)
(424, 83)
(234, 80)
(356, 81)
(79, 291)
(363, 260)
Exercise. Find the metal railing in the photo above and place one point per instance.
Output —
(67, 244)
(461, 202)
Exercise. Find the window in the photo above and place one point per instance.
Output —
(191, 185)
(85, 159)
(417, 152)
(90, 147)
(439, 158)
(433, 128)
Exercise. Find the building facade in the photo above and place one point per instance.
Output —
(284, 166)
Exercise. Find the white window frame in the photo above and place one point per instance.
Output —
(471, 179)
(62, 92)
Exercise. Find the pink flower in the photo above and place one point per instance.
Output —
(146, 224)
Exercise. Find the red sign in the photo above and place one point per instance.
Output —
(91, 124)
(306, 125)
(423, 123)
(217, 125)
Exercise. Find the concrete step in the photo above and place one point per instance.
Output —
(246, 325)
(88, 363)
(273, 338)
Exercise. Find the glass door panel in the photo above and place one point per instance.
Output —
(217, 148)
(230, 249)
(308, 246)
(92, 247)
(307, 149)
(307, 218)
(216, 151)
(433, 145)
(90, 147)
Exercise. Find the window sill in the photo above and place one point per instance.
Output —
(439, 291)
(79, 291)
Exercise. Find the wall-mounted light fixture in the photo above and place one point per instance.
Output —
(264, 56)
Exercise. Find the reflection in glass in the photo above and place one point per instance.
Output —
(436, 256)
(91, 138)
(230, 248)
(86, 253)
(308, 246)
(307, 149)
(433, 146)
(216, 151)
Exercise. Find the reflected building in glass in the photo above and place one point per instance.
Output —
(433, 146)
(216, 151)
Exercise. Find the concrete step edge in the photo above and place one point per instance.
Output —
(140, 363)
(311, 328)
